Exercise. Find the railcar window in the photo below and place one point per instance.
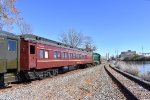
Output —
(41, 53)
(1, 45)
(74, 56)
(55, 54)
(58, 55)
(85, 56)
(82, 56)
(46, 53)
(32, 49)
(66, 55)
(1, 42)
(12, 45)
(69, 56)
(79, 56)
(63, 55)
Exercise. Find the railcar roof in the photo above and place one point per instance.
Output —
(96, 53)
(38, 39)
(8, 35)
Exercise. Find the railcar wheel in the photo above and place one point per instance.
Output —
(55, 72)
(49, 74)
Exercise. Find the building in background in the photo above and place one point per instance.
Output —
(127, 54)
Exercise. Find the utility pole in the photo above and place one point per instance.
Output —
(117, 53)
(142, 50)
(107, 56)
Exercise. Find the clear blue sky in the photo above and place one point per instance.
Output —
(113, 24)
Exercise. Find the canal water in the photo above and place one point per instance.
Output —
(143, 66)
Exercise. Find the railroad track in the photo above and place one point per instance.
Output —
(131, 87)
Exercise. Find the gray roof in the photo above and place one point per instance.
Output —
(38, 39)
(8, 35)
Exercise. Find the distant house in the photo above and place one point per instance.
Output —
(126, 54)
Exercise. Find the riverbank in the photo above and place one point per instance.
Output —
(136, 57)
(134, 69)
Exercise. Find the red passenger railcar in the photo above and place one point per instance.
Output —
(40, 57)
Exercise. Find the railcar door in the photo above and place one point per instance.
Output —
(12, 53)
(3, 50)
(32, 55)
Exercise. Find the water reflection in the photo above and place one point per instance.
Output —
(143, 66)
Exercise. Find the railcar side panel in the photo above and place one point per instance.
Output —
(9, 57)
(24, 57)
(32, 55)
(51, 62)
(42, 56)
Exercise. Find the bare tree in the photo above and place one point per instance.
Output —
(76, 39)
(25, 28)
(89, 44)
(72, 38)
(8, 13)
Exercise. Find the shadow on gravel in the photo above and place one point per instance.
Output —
(5, 87)
(23, 82)
(26, 83)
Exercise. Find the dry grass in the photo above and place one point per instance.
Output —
(132, 69)
(146, 76)
(129, 68)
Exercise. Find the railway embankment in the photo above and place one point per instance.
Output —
(132, 87)
(84, 84)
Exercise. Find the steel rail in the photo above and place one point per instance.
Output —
(127, 93)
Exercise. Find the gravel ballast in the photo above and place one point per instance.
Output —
(85, 84)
